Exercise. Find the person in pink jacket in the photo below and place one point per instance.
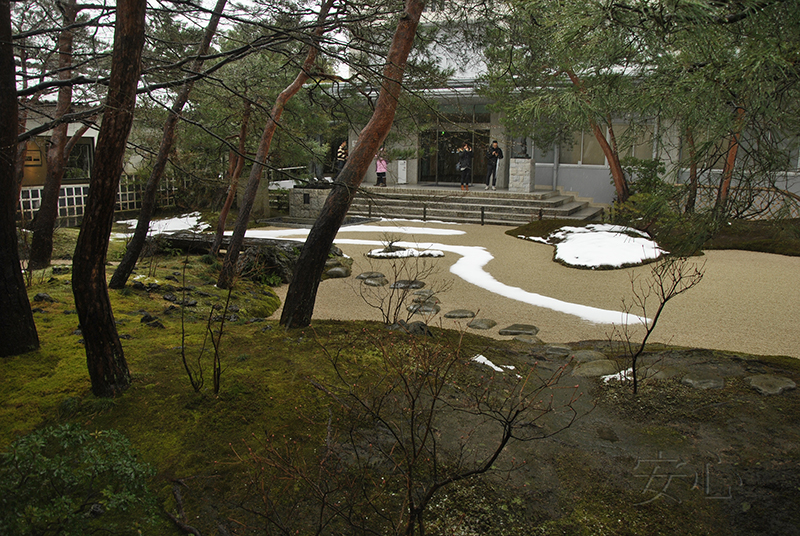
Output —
(380, 167)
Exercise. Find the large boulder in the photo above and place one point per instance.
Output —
(265, 262)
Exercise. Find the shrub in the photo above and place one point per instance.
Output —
(65, 480)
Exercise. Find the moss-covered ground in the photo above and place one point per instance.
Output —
(588, 480)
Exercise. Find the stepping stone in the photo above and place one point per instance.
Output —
(424, 292)
(423, 299)
(423, 308)
(338, 272)
(662, 373)
(600, 367)
(482, 323)
(459, 313)
(584, 356)
(527, 339)
(770, 384)
(370, 275)
(557, 350)
(520, 329)
(703, 380)
(412, 328)
(607, 433)
(376, 282)
(408, 284)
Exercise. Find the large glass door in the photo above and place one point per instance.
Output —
(439, 155)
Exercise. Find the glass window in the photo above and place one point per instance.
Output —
(570, 152)
(456, 113)
(482, 114)
(592, 152)
(643, 150)
(543, 155)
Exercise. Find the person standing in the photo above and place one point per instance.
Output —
(465, 165)
(493, 154)
(341, 157)
(380, 167)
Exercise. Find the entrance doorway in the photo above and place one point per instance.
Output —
(439, 155)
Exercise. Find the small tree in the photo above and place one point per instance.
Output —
(391, 296)
(669, 277)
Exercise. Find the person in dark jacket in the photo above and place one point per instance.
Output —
(465, 165)
(493, 154)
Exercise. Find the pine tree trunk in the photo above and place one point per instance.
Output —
(235, 170)
(612, 155)
(136, 244)
(617, 174)
(108, 369)
(228, 271)
(723, 193)
(16, 320)
(45, 221)
(691, 199)
(302, 293)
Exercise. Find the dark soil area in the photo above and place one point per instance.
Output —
(673, 459)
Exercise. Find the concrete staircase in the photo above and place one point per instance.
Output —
(476, 206)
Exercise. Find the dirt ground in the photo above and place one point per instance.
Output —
(747, 302)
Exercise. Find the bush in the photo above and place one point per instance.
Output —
(67, 481)
(655, 206)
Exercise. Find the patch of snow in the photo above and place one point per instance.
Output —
(534, 239)
(470, 268)
(404, 253)
(184, 222)
(438, 222)
(485, 361)
(603, 245)
(361, 228)
(622, 376)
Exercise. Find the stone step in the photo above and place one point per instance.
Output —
(552, 202)
(475, 206)
(456, 209)
(577, 212)
(470, 198)
(476, 190)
